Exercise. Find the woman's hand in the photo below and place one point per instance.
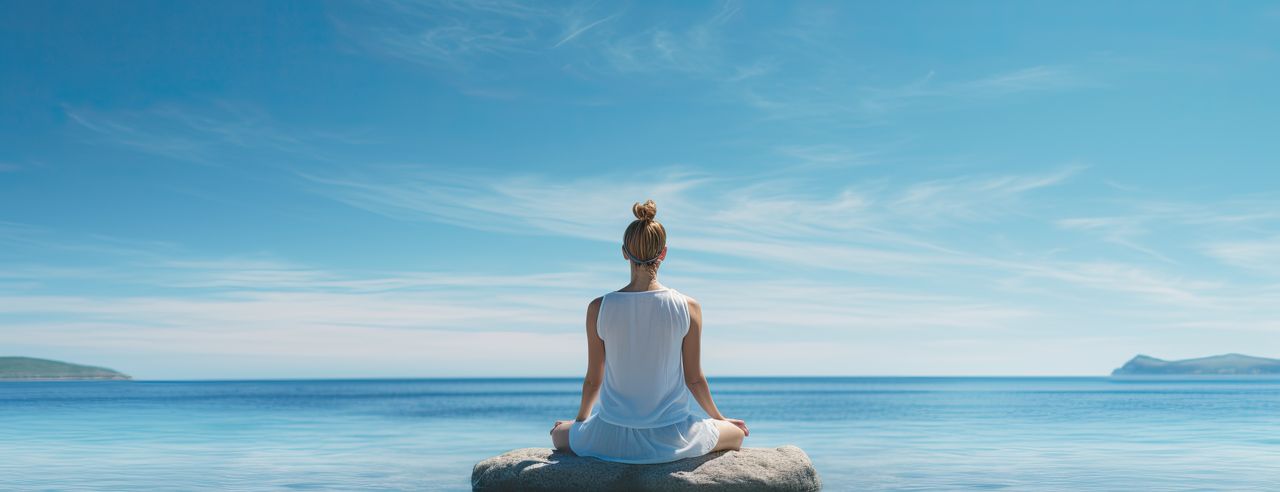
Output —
(557, 424)
(741, 425)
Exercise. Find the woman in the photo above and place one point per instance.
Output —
(643, 344)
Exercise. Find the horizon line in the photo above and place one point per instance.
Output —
(482, 378)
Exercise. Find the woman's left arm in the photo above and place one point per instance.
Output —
(595, 362)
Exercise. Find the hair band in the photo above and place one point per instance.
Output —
(637, 260)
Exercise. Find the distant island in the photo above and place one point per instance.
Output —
(1220, 365)
(30, 368)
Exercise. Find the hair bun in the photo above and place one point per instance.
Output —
(645, 211)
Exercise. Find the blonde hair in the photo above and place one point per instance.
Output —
(645, 237)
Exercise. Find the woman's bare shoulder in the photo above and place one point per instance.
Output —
(694, 305)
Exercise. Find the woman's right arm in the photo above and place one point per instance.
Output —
(693, 376)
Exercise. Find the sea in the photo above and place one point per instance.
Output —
(862, 433)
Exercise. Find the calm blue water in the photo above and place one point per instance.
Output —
(862, 433)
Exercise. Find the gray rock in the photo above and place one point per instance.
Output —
(786, 468)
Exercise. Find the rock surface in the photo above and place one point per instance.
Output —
(786, 468)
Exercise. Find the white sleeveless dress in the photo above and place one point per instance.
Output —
(644, 414)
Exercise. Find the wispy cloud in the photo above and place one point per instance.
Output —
(454, 35)
(1231, 230)
(792, 72)
(1038, 78)
(825, 155)
(1124, 231)
(1258, 256)
(973, 197)
(880, 230)
(873, 231)
(576, 30)
(697, 49)
(849, 229)
(217, 135)
(463, 35)
(843, 98)
(118, 133)
(457, 41)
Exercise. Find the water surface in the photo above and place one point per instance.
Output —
(862, 433)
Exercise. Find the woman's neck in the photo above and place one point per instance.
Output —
(642, 280)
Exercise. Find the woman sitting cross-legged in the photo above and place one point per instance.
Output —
(643, 363)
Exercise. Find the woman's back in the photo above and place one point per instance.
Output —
(644, 382)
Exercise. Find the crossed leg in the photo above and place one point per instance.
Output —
(730, 436)
(560, 435)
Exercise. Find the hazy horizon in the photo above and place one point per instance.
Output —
(713, 377)
(330, 189)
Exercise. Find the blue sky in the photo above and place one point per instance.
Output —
(362, 189)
